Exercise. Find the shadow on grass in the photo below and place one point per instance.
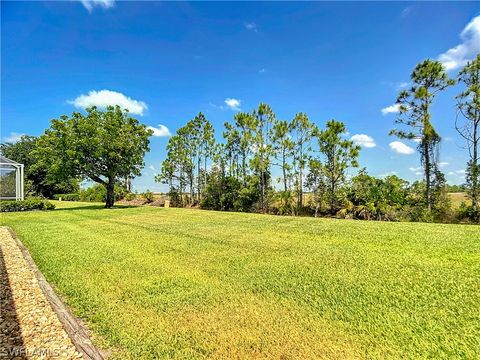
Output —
(96, 207)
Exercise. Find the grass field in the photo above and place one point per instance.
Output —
(178, 283)
(458, 198)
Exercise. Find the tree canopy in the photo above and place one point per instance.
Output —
(428, 78)
(103, 146)
(37, 179)
(468, 105)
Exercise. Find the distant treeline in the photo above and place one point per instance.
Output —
(108, 147)
(236, 174)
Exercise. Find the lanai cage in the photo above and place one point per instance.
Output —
(11, 179)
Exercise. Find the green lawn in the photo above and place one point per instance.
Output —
(178, 283)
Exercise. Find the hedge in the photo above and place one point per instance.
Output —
(25, 205)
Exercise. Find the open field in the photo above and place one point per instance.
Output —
(179, 283)
(458, 198)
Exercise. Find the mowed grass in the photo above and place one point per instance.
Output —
(179, 283)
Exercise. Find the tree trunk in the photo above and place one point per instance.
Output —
(300, 178)
(475, 169)
(427, 176)
(199, 181)
(300, 187)
(261, 191)
(205, 180)
(110, 193)
(192, 192)
(181, 185)
(332, 197)
(244, 168)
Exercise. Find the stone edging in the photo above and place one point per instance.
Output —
(75, 330)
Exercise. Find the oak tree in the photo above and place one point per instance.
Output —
(103, 146)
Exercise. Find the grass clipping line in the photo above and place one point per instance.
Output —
(48, 328)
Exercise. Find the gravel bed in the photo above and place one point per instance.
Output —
(29, 328)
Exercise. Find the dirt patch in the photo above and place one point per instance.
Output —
(157, 202)
(134, 202)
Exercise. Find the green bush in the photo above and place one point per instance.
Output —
(175, 198)
(129, 196)
(148, 196)
(25, 205)
(98, 193)
(95, 193)
(67, 197)
(220, 193)
(248, 197)
(467, 213)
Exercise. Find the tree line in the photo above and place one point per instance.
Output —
(236, 174)
(108, 148)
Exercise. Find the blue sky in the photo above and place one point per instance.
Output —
(167, 61)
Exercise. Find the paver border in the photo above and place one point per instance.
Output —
(74, 328)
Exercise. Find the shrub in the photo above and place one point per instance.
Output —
(248, 197)
(285, 204)
(67, 197)
(467, 213)
(129, 196)
(148, 196)
(220, 192)
(98, 193)
(175, 198)
(25, 205)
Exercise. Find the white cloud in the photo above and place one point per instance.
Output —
(390, 173)
(406, 11)
(90, 4)
(457, 173)
(396, 85)
(104, 98)
(151, 167)
(401, 148)
(233, 104)
(416, 170)
(251, 26)
(363, 140)
(230, 104)
(13, 137)
(459, 55)
(395, 108)
(442, 164)
(160, 131)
